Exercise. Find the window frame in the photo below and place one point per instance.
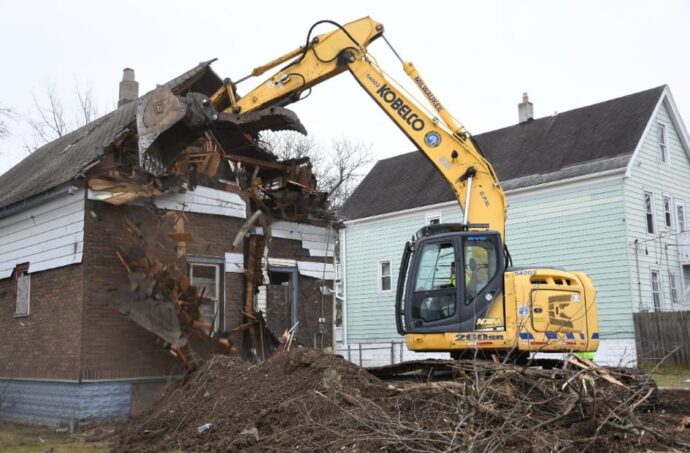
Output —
(660, 290)
(219, 299)
(381, 276)
(676, 205)
(21, 272)
(433, 216)
(662, 140)
(652, 208)
(669, 225)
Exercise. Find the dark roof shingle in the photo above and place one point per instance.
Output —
(61, 160)
(589, 139)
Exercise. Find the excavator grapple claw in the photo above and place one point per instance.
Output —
(168, 123)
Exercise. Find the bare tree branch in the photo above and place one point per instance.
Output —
(87, 111)
(338, 169)
(49, 119)
(7, 115)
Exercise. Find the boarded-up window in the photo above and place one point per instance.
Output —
(23, 290)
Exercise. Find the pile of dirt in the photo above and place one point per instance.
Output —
(244, 403)
(308, 400)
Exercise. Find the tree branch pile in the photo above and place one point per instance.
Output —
(305, 400)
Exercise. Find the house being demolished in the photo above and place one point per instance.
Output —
(118, 269)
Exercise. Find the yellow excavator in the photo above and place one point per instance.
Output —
(487, 306)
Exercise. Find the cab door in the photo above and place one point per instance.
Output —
(432, 290)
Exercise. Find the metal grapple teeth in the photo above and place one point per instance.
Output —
(271, 118)
(167, 124)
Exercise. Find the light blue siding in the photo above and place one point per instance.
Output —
(369, 311)
(658, 251)
(580, 227)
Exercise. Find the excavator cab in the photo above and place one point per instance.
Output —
(449, 277)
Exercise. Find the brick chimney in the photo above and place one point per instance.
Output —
(129, 88)
(525, 109)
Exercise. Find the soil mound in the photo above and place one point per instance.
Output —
(309, 401)
(246, 405)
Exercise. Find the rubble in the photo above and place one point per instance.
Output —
(308, 400)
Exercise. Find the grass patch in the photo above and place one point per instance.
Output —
(672, 378)
(34, 439)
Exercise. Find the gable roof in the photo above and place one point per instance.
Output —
(62, 160)
(578, 142)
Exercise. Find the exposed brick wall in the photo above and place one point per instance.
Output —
(45, 344)
(114, 346)
(72, 331)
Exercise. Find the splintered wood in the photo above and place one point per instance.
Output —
(160, 296)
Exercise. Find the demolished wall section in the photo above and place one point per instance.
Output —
(310, 300)
(114, 346)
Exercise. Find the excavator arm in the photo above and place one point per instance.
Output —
(443, 141)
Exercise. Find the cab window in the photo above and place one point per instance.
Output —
(434, 288)
(481, 264)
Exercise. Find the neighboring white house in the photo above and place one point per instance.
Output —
(601, 189)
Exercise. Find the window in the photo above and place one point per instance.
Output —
(656, 290)
(434, 218)
(673, 283)
(435, 284)
(22, 290)
(649, 211)
(667, 212)
(680, 216)
(661, 136)
(480, 264)
(206, 277)
(385, 275)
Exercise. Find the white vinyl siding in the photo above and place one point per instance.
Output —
(46, 236)
(202, 199)
(661, 250)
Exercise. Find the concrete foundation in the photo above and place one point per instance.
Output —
(53, 402)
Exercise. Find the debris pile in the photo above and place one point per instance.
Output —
(308, 400)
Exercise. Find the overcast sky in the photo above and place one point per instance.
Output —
(478, 57)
